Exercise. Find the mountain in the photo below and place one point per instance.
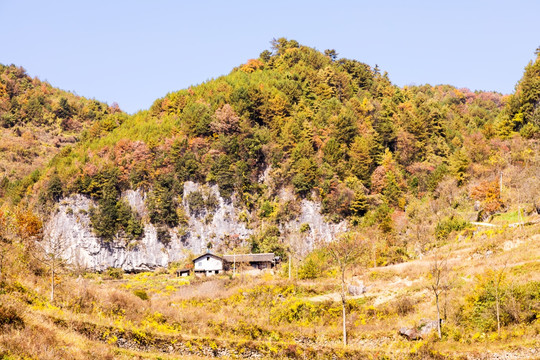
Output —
(297, 152)
(293, 132)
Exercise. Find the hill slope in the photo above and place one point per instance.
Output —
(331, 130)
(36, 122)
(288, 152)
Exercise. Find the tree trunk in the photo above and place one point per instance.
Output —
(343, 305)
(52, 284)
(374, 254)
(290, 264)
(438, 316)
(344, 323)
(498, 311)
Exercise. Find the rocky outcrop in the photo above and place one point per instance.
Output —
(425, 328)
(81, 247)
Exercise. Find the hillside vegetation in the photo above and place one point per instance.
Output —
(433, 182)
(36, 122)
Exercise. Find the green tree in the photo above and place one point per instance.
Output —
(360, 160)
(305, 176)
(162, 202)
(359, 205)
(459, 165)
(55, 188)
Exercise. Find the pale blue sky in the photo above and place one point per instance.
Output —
(134, 52)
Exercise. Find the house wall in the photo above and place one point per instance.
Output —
(208, 263)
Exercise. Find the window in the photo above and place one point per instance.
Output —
(207, 258)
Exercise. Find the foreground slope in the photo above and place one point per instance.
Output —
(159, 316)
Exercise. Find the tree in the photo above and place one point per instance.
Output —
(360, 159)
(459, 164)
(55, 188)
(499, 277)
(346, 250)
(331, 53)
(438, 283)
(225, 120)
(51, 253)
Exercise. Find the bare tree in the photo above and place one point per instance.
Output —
(297, 249)
(499, 279)
(438, 284)
(346, 250)
(51, 253)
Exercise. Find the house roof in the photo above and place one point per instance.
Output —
(207, 254)
(249, 257)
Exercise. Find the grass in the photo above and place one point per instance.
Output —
(98, 317)
(510, 217)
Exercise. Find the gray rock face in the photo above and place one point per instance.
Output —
(81, 247)
(71, 223)
(212, 226)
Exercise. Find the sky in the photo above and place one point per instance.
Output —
(134, 52)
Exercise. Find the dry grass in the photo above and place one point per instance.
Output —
(246, 308)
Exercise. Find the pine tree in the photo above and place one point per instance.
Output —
(360, 159)
(359, 205)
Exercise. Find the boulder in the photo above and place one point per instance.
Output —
(425, 328)
(355, 290)
(410, 333)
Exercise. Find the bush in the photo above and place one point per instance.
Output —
(115, 273)
(448, 225)
(402, 306)
(10, 318)
(141, 294)
(315, 265)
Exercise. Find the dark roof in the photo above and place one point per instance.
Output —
(249, 257)
(208, 254)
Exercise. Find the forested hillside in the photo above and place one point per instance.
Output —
(298, 152)
(332, 130)
(36, 122)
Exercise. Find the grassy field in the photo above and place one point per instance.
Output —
(155, 315)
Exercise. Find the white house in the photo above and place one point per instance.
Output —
(208, 264)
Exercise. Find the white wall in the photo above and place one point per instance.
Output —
(208, 263)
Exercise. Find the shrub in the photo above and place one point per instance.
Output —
(115, 273)
(141, 294)
(402, 306)
(10, 318)
(449, 224)
(309, 270)
(305, 227)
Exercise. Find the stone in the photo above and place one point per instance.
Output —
(427, 326)
(410, 333)
(356, 290)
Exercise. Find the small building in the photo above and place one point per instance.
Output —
(208, 264)
(183, 272)
(256, 261)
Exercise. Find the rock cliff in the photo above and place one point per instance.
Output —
(81, 247)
